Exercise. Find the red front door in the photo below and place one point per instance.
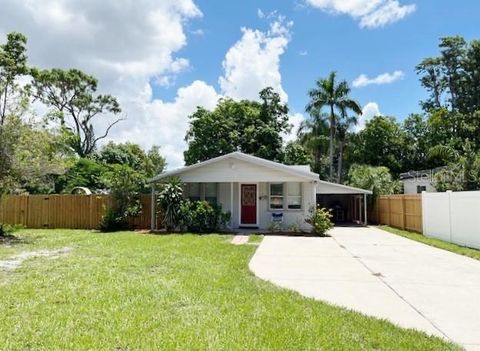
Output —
(248, 203)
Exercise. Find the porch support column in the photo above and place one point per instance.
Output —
(365, 208)
(231, 205)
(153, 213)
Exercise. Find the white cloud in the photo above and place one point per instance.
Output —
(127, 47)
(369, 111)
(369, 13)
(303, 53)
(386, 78)
(253, 62)
(165, 123)
(295, 120)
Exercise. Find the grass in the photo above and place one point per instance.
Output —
(129, 291)
(461, 250)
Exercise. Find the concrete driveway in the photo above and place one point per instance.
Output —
(380, 274)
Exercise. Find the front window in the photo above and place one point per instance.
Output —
(276, 196)
(294, 196)
(193, 191)
(211, 193)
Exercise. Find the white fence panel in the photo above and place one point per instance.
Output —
(453, 217)
(436, 215)
(465, 218)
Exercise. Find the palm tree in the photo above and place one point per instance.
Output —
(329, 93)
(343, 126)
(313, 135)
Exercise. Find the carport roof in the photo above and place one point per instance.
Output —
(324, 187)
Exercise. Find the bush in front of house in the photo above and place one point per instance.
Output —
(320, 220)
(203, 217)
(170, 200)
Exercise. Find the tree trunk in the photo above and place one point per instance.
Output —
(340, 162)
(332, 135)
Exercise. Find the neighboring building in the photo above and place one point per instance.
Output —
(414, 182)
(258, 191)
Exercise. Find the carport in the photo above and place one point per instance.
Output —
(348, 204)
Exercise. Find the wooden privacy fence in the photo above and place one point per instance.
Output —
(64, 211)
(400, 211)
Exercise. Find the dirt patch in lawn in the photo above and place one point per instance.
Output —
(17, 260)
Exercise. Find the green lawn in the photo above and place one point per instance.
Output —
(461, 250)
(128, 291)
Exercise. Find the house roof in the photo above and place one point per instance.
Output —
(301, 171)
(421, 173)
(296, 171)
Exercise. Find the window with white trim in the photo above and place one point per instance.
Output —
(211, 193)
(294, 196)
(193, 191)
(276, 196)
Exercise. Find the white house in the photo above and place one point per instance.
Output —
(257, 191)
(414, 182)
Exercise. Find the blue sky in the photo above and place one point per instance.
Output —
(161, 59)
(332, 42)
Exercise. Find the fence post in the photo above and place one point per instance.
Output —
(389, 210)
(449, 195)
(404, 213)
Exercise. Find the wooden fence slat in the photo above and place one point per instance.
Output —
(65, 211)
(400, 211)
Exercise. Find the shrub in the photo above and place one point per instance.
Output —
(7, 230)
(170, 201)
(320, 221)
(203, 217)
(125, 185)
(274, 227)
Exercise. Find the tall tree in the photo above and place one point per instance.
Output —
(252, 127)
(344, 125)
(313, 135)
(13, 64)
(381, 143)
(296, 154)
(73, 96)
(328, 93)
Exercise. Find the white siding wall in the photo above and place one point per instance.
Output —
(289, 216)
(410, 185)
(452, 217)
(264, 213)
(237, 171)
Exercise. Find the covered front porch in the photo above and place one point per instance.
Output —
(255, 205)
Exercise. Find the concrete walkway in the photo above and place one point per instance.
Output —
(382, 275)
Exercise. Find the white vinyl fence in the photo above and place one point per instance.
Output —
(452, 217)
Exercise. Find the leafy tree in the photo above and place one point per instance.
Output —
(13, 64)
(462, 174)
(249, 126)
(125, 185)
(84, 173)
(344, 124)
(417, 142)
(328, 93)
(73, 97)
(377, 179)
(148, 163)
(313, 135)
(295, 154)
(381, 143)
